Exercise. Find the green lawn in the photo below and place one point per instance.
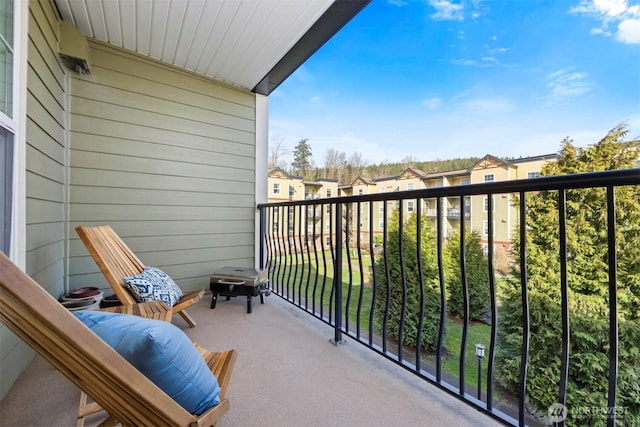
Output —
(309, 275)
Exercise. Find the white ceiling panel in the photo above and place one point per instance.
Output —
(240, 42)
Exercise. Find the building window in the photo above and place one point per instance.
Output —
(485, 227)
(306, 194)
(292, 191)
(410, 206)
(485, 204)
(327, 241)
(276, 188)
(7, 124)
(465, 181)
(6, 165)
(328, 209)
(410, 185)
(327, 226)
(360, 191)
(531, 175)
(381, 223)
(489, 177)
(328, 192)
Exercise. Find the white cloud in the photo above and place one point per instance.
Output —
(611, 12)
(565, 83)
(447, 10)
(629, 31)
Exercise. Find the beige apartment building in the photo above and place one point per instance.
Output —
(473, 211)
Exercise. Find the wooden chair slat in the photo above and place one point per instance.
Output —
(117, 261)
(80, 355)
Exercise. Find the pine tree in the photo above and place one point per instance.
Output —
(587, 277)
(302, 158)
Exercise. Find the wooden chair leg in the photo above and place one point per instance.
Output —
(85, 409)
(187, 318)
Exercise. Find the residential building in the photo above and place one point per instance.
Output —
(472, 211)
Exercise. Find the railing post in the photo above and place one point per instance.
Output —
(337, 280)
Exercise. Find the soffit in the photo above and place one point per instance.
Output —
(247, 43)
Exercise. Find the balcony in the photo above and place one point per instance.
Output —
(287, 374)
(454, 213)
(339, 286)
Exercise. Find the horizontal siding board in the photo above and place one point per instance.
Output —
(39, 211)
(40, 235)
(147, 119)
(134, 229)
(49, 276)
(87, 127)
(44, 87)
(50, 141)
(155, 151)
(159, 182)
(40, 164)
(156, 198)
(43, 38)
(106, 212)
(121, 163)
(166, 76)
(173, 105)
(42, 188)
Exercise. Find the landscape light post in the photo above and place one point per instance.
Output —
(480, 356)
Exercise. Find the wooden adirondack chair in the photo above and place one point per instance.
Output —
(125, 393)
(117, 261)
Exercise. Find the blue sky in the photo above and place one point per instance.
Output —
(440, 79)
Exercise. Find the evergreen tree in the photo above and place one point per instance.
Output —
(302, 158)
(477, 272)
(587, 277)
(413, 300)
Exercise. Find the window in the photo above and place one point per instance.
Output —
(328, 192)
(7, 123)
(292, 191)
(381, 223)
(410, 185)
(489, 177)
(381, 207)
(6, 166)
(485, 227)
(360, 192)
(532, 175)
(328, 209)
(307, 195)
(327, 241)
(465, 181)
(485, 202)
(410, 206)
(327, 226)
(276, 188)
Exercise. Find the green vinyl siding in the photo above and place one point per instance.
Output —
(167, 158)
(45, 176)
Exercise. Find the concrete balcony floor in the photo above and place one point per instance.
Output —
(287, 374)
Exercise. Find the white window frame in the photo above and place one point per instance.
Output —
(17, 126)
(485, 203)
(328, 192)
(410, 185)
(533, 174)
(489, 177)
(276, 188)
(410, 206)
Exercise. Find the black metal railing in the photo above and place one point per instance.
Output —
(354, 262)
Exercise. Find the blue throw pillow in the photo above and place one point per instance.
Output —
(162, 352)
(154, 284)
